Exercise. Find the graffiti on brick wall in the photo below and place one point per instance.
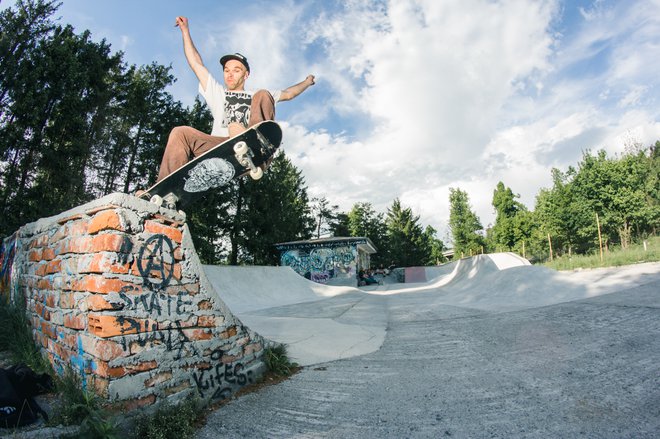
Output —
(7, 254)
(221, 377)
(156, 266)
(171, 335)
(156, 302)
(322, 264)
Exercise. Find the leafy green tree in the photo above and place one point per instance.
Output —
(276, 209)
(54, 97)
(512, 227)
(339, 227)
(464, 224)
(408, 243)
(435, 246)
(21, 28)
(615, 189)
(363, 220)
(324, 215)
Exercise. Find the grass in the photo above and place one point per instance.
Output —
(171, 421)
(16, 336)
(634, 254)
(277, 361)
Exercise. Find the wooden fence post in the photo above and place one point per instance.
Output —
(600, 238)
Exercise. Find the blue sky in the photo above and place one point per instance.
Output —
(416, 97)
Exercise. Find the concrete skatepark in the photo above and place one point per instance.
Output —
(489, 347)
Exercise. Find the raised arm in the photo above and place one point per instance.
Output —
(192, 55)
(295, 90)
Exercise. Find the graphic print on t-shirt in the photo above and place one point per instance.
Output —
(237, 108)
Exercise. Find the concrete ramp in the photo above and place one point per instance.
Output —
(318, 323)
(247, 289)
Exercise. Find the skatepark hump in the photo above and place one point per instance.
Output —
(323, 323)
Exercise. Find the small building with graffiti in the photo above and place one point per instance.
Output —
(331, 261)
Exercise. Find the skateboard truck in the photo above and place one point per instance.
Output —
(168, 201)
(244, 156)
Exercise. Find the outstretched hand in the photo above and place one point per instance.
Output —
(181, 22)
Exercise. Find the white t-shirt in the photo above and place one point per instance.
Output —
(228, 106)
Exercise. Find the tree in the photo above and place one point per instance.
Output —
(408, 244)
(464, 224)
(509, 230)
(54, 90)
(324, 215)
(275, 209)
(364, 221)
(339, 227)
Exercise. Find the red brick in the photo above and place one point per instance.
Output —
(96, 302)
(75, 321)
(67, 300)
(205, 305)
(110, 326)
(102, 263)
(50, 267)
(173, 233)
(158, 379)
(100, 284)
(42, 311)
(48, 330)
(69, 230)
(39, 241)
(177, 388)
(104, 370)
(251, 349)
(48, 254)
(50, 300)
(198, 334)
(102, 349)
(108, 243)
(141, 367)
(206, 321)
(35, 255)
(108, 219)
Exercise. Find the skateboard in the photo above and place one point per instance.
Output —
(240, 155)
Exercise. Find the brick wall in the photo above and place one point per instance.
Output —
(115, 290)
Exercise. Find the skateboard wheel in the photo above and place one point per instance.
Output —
(157, 199)
(256, 173)
(240, 148)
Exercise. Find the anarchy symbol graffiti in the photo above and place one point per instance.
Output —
(156, 261)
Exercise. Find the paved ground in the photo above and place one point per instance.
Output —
(489, 348)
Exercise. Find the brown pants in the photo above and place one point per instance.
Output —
(185, 142)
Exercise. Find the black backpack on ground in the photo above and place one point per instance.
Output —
(18, 387)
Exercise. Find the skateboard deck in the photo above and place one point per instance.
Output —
(245, 153)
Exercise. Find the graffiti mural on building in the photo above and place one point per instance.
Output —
(322, 264)
(7, 253)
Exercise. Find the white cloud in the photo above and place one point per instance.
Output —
(467, 94)
(430, 79)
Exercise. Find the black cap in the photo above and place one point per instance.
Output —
(238, 57)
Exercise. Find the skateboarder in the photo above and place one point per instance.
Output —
(234, 109)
